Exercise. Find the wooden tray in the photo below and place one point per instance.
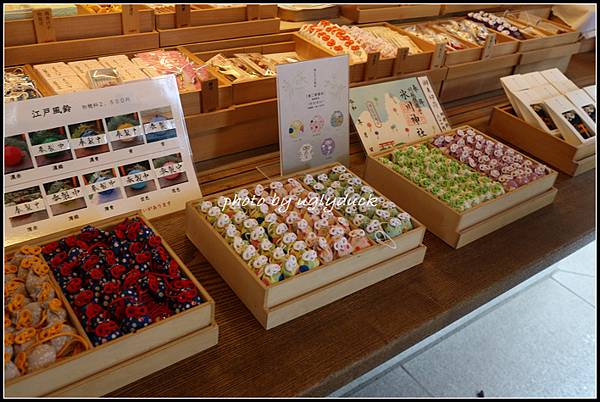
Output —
(281, 302)
(99, 360)
(543, 59)
(565, 36)
(45, 38)
(190, 22)
(364, 13)
(458, 229)
(569, 159)
(261, 88)
(475, 78)
(214, 94)
(309, 14)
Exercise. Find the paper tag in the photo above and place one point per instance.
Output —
(159, 126)
(138, 177)
(87, 142)
(169, 170)
(25, 208)
(125, 133)
(50, 147)
(63, 196)
(102, 186)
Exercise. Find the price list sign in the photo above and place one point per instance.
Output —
(72, 159)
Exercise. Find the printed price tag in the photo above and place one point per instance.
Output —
(63, 196)
(50, 147)
(158, 126)
(25, 208)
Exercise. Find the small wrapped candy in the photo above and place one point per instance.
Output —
(290, 266)
(342, 247)
(266, 247)
(302, 229)
(308, 260)
(205, 206)
(287, 240)
(239, 245)
(258, 264)
(276, 231)
(325, 253)
(257, 235)
(358, 240)
(239, 217)
(231, 232)
(278, 256)
(247, 228)
(272, 274)
(373, 230)
(213, 214)
(393, 227)
(221, 223)
(248, 253)
(298, 248)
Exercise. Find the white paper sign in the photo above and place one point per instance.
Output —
(396, 112)
(76, 158)
(312, 97)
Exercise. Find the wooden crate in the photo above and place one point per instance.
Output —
(459, 229)
(44, 38)
(144, 346)
(190, 22)
(477, 77)
(214, 94)
(309, 14)
(281, 302)
(388, 12)
(450, 57)
(265, 87)
(543, 59)
(569, 159)
(192, 15)
(565, 35)
(465, 8)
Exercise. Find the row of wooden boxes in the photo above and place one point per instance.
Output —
(99, 30)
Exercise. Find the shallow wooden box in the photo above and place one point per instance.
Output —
(282, 302)
(464, 8)
(266, 87)
(543, 59)
(192, 22)
(309, 14)
(129, 357)
(364, 13)
(554, 151)
(214, 94)
(564, 36)
(459, 229)
(78, 36)
(474, 78)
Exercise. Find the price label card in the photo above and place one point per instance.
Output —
(312, 97)
(81, 155)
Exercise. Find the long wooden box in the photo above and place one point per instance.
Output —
(477, 77)
(266, 87)
(100, 361)
(388, 12)
(458, 229)
(543, 59)
(204, 14)
(46, 38)
(555, 151)
(564, 36)
(281, 302)
(217, 24)
(214, 94)
(309, 14)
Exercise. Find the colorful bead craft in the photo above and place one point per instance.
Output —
(121, 280)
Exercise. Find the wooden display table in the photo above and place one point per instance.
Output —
(323, 350)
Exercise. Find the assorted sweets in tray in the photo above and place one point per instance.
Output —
(462, 184)
(94, 298)
(250, 66)
(277, 243)
(19, 85)
(357, 42)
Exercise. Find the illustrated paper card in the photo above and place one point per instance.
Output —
(76, 158)
(312, 97)
(396, 112)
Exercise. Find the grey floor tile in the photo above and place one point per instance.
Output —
(539, 343)
(583, 261)
(582, 285)
(395, 382)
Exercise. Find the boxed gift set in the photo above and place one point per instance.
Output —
(549, 118)
(289, 246)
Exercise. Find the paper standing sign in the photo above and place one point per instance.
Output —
(76, 158)
(312, 97)
(396, 112)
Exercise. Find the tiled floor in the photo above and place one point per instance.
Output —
(536, 340)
